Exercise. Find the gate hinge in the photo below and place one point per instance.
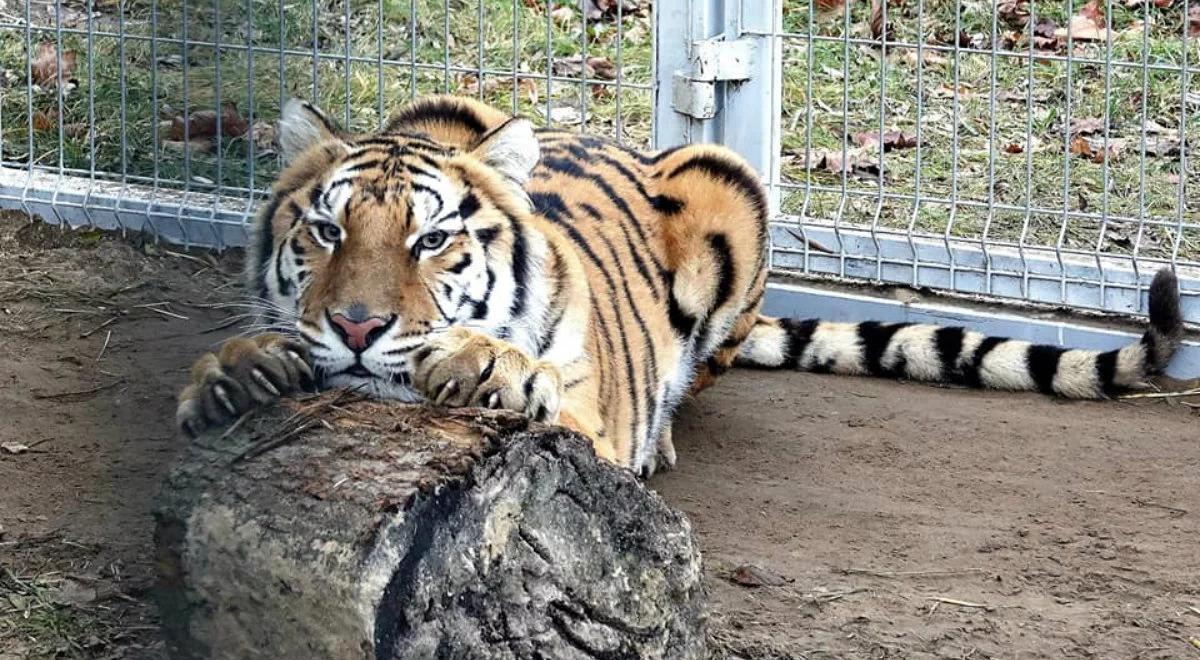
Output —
(712, 61)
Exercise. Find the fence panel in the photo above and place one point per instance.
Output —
(159, 115)
(1036, 150)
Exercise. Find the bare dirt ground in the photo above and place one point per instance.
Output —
(840, 518)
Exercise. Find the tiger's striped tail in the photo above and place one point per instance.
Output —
(956, 355)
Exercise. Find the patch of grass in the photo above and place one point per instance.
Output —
(354, 58)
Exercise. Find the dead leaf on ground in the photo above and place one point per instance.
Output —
(928, 56)
(48, 69)
(749, 575)
(575, 66)
(891, 139)
(45, 121)
(945, 91)
(1086, 126)
(1013, 12)
(202, 125)
(1087, 25)
(599, 9)
(1045, 35)
(853, 161)
(1095, 149)
(876, 22)
(468, 85)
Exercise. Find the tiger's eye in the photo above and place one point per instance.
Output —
(433, 240)
(329, 232)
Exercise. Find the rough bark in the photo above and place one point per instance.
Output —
(367, 530)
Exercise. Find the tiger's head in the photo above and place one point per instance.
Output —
(371, 244)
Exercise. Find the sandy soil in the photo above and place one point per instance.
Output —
(840, 518)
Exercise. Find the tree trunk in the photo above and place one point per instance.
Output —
(335, 529)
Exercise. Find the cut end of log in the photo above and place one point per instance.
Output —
(389, 531)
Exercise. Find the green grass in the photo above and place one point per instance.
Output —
(510, 39)
(158, 82)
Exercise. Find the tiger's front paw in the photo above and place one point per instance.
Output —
(466, 368)
(245, 373)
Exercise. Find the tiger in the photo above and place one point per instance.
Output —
(461, 257)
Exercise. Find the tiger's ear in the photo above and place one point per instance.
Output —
(302, 126)
(511, 149)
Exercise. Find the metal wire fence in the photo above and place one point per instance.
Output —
(1032, 149)
(148, 114)
(1039, 150)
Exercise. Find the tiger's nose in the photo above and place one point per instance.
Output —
(357, 330)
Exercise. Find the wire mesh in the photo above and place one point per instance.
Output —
(1025, 148)
(160, 115)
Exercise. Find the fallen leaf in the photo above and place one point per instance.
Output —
(1096, 150)
(593, 68)
(48, 69)
(263, 135)
(564, 15)
(1014, 12)
(1045, 35)
(749, 575)
(928, 56)
(891, 139)
(853, 161)
(14, 448)
(203, 124)
(201, 146)
(876, 22)
(45, 120)
(468, 85)
(1086, 126)
(73, 593)
(598, 9)
(1087, 25)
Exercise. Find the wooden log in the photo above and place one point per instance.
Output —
(352, 529)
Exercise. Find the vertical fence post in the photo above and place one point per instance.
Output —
(750, 118)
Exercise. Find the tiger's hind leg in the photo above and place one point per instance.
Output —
(716, 251)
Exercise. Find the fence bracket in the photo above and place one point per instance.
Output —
(694, 92)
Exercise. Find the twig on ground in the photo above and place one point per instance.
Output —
(897, 574)
(89, 333)
(59, 395)
(105, 346)
(963, 603)
(1162, 395)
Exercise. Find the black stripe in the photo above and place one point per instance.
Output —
(874, 337)
(971, 374)
(468, 206)
(949, 342)
(1042, 361)
(726, 170)
(462, 265)
(1149, 361)
(551, 205)
(520, 268)
(443, 110)
(799, 336)
(265, 244)
(1106, 372)
(485, 235)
